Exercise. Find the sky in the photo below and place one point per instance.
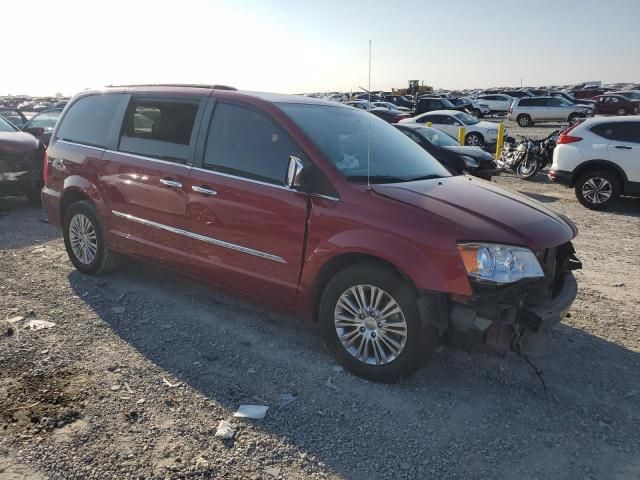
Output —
(294, 46)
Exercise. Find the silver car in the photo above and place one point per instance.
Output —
(528, 110)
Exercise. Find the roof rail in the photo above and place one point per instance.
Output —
(190, 85)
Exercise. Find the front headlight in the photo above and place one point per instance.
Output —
(469, 161)
(494, 263)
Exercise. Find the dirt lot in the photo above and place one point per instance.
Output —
(142, 364)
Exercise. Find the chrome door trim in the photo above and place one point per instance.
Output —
(250, 180)
(273, 185)
(148, 223)
(67, 142)
(151, 159)
(233, 246)
(202, 238)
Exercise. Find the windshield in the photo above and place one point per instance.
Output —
(436, 137)
(446, 103)
(5, 126)
(466, 118)
(342, 134)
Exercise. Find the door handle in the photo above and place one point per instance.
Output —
(170, 182)
(204, 190)
(624, 147)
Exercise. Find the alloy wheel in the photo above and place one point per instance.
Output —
(83, 238)
(597, 190)
(473, 140)
(370, 325)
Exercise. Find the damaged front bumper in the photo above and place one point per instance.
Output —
(514, 316)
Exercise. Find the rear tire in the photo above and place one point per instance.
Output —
(598, 189)
(527, 171)
(573, 117)
(343, 315)
(524, 120)
(476, 113)
(85, 241)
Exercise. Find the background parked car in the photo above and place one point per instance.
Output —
(21, 162)
(572, 100)
(599, 158)
(496, 102)
(616, 104)
(390, 106)
(630, 94)
(478, 108)
(391, 116)
(527, 111)
(41, 125)
(400, 101)
(450, 153)
(429, 104)
(477, 133)
(13, 115)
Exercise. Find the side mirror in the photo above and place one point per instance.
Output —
(35, 131)
(295, 171)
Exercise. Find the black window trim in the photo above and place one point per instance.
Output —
(200, 100)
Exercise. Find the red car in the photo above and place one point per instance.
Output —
(616, 105)
(313, 206)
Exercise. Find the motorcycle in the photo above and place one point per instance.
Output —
(527, 157)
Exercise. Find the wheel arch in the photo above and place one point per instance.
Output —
(341, 261)
(583, 168)
(77, 188)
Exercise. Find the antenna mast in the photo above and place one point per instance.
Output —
(369, 126)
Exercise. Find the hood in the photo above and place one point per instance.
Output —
(475, 152)
(18, 142)
(481, 211)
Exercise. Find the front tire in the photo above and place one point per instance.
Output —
(370, 322)
(85, 241)
(597, 190)
(474, 139)
(476, 113)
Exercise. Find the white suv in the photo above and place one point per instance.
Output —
(600, 157)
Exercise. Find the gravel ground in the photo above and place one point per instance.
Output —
(142, 365)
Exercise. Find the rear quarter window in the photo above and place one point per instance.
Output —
(90, 120)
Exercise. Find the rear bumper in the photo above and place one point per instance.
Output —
(560, 176)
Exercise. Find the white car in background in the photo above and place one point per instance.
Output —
(496, 102)
(478, 108)
(600, 158)
(477, 133)
(390, 106)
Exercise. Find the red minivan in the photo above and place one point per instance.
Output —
(312, 205)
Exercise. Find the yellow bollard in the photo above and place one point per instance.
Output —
(461, 135)
(429, 124)
(500, 140)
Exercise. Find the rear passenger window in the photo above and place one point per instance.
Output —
(246, 143)
(90, 120)
(622, 131)
(159, 128)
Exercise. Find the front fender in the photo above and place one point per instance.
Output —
(434, 270)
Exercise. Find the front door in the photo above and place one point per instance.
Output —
(245, 229)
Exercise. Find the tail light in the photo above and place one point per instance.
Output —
(45, 167)
(566, 138)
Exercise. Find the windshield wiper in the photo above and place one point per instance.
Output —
(424, 177)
